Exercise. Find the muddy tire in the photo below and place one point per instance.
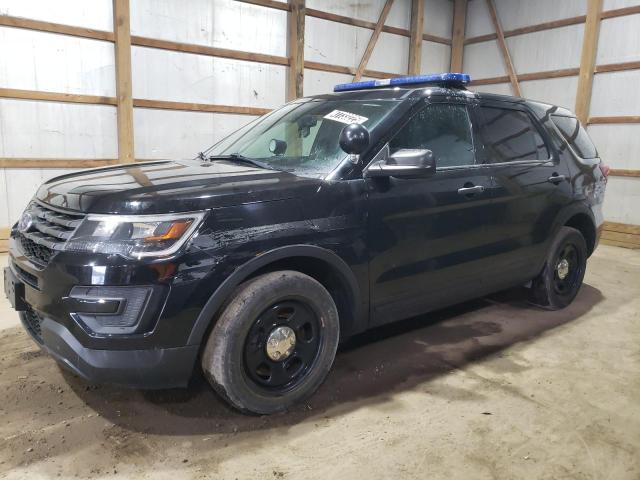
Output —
(561, 278)
(273, 343)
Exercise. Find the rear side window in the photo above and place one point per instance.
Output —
(509, 135)
(575, 135)
(444, 129)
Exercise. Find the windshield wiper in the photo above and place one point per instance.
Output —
(237, 158)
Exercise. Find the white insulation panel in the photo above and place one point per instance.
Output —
(436, 57)
(81, 13)
(614, 47)
(31, 60)
(438, 17)
(523, 13)
(483, 60)
(169, 134)
(57, 130)
(616, 93)
(613, 4)
(185, 77)
(369, 10)
(556, 91)
(318, 83)
(547, 50)
(219, 23)
(618, 145)
(622, 200)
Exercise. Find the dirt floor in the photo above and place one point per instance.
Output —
(489, 389)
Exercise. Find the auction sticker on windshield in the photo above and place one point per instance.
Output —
(345, 117)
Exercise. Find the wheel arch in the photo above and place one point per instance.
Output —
(580, 217)
(319, 263)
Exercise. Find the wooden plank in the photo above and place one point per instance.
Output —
(355, 22)
(4, 232)
(417, 32)
(207, 50)
(620, 12)
(49, 27)
(588, 59)
(198, 107)
(629, 238)
(56, 162)
(617, 172)
(503, 48)
(372, 40)
(56, 97)
(617, 67)
(326, 67)
(295, 46)
(458, 28)
(124, 90)
(268, 4)
(614, 119)
(621, 227)
(617, 243)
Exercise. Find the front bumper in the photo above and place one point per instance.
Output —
(147, 369)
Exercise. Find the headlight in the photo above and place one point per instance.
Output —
(134, 236)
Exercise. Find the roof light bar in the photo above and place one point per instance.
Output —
(446, 78)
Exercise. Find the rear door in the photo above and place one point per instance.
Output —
(530, 186)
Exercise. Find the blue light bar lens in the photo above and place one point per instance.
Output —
(453, 78)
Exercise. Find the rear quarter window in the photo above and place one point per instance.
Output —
(575, 135)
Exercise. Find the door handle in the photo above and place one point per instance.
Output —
(556, 179)
(470, 190)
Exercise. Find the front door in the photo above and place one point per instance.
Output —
(427, 236)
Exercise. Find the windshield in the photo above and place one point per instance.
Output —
(302, 137)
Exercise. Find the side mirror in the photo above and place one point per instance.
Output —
(405, 163)
(354, 139)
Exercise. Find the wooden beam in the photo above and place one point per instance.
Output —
(295, 44)
(55, 96)
(588, 59)
(503, 48)
(457, 42)
(37, 25)
(417, 32)
(617, 172)
(56, 162)
(617, 67)
(198, 107)
(617, 119)
(326, 67)
(620, 12)
(207, 50)
(539, 27)
(124, 90)
(372, 40)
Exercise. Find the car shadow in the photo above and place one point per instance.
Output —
(368, 369)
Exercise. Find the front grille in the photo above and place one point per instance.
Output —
(48, 232)
(32, 322)
(26, 276)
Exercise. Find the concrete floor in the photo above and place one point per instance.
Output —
(489, 389)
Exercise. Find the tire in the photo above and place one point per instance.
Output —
(555, 288)
(236, 359)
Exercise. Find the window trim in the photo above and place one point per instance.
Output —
(427, 103)
(520, 107)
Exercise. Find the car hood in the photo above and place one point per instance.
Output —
(171, 186)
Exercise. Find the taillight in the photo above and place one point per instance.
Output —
(604, 168)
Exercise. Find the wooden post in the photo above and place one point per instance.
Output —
(372, 41)
(124, 91)
(295, 80)
(503, 47)
(457, 42)
(416, 31)
(588, 59)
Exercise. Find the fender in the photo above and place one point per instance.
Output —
(244, 271)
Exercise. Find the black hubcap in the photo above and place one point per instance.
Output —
(566, 270)
(282, 375)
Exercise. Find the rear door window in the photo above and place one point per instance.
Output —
(510, 135)
(443, 128)
(575, 135)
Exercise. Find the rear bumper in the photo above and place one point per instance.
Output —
(146, 369)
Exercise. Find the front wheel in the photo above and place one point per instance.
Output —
(561, 278)
(274, 342)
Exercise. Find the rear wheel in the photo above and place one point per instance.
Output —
(274, 342)
(561, 278)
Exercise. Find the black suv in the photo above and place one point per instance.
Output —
(328, 216)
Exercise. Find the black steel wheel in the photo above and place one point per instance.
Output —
(282, 345)
(563, 273)
(273, 343)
